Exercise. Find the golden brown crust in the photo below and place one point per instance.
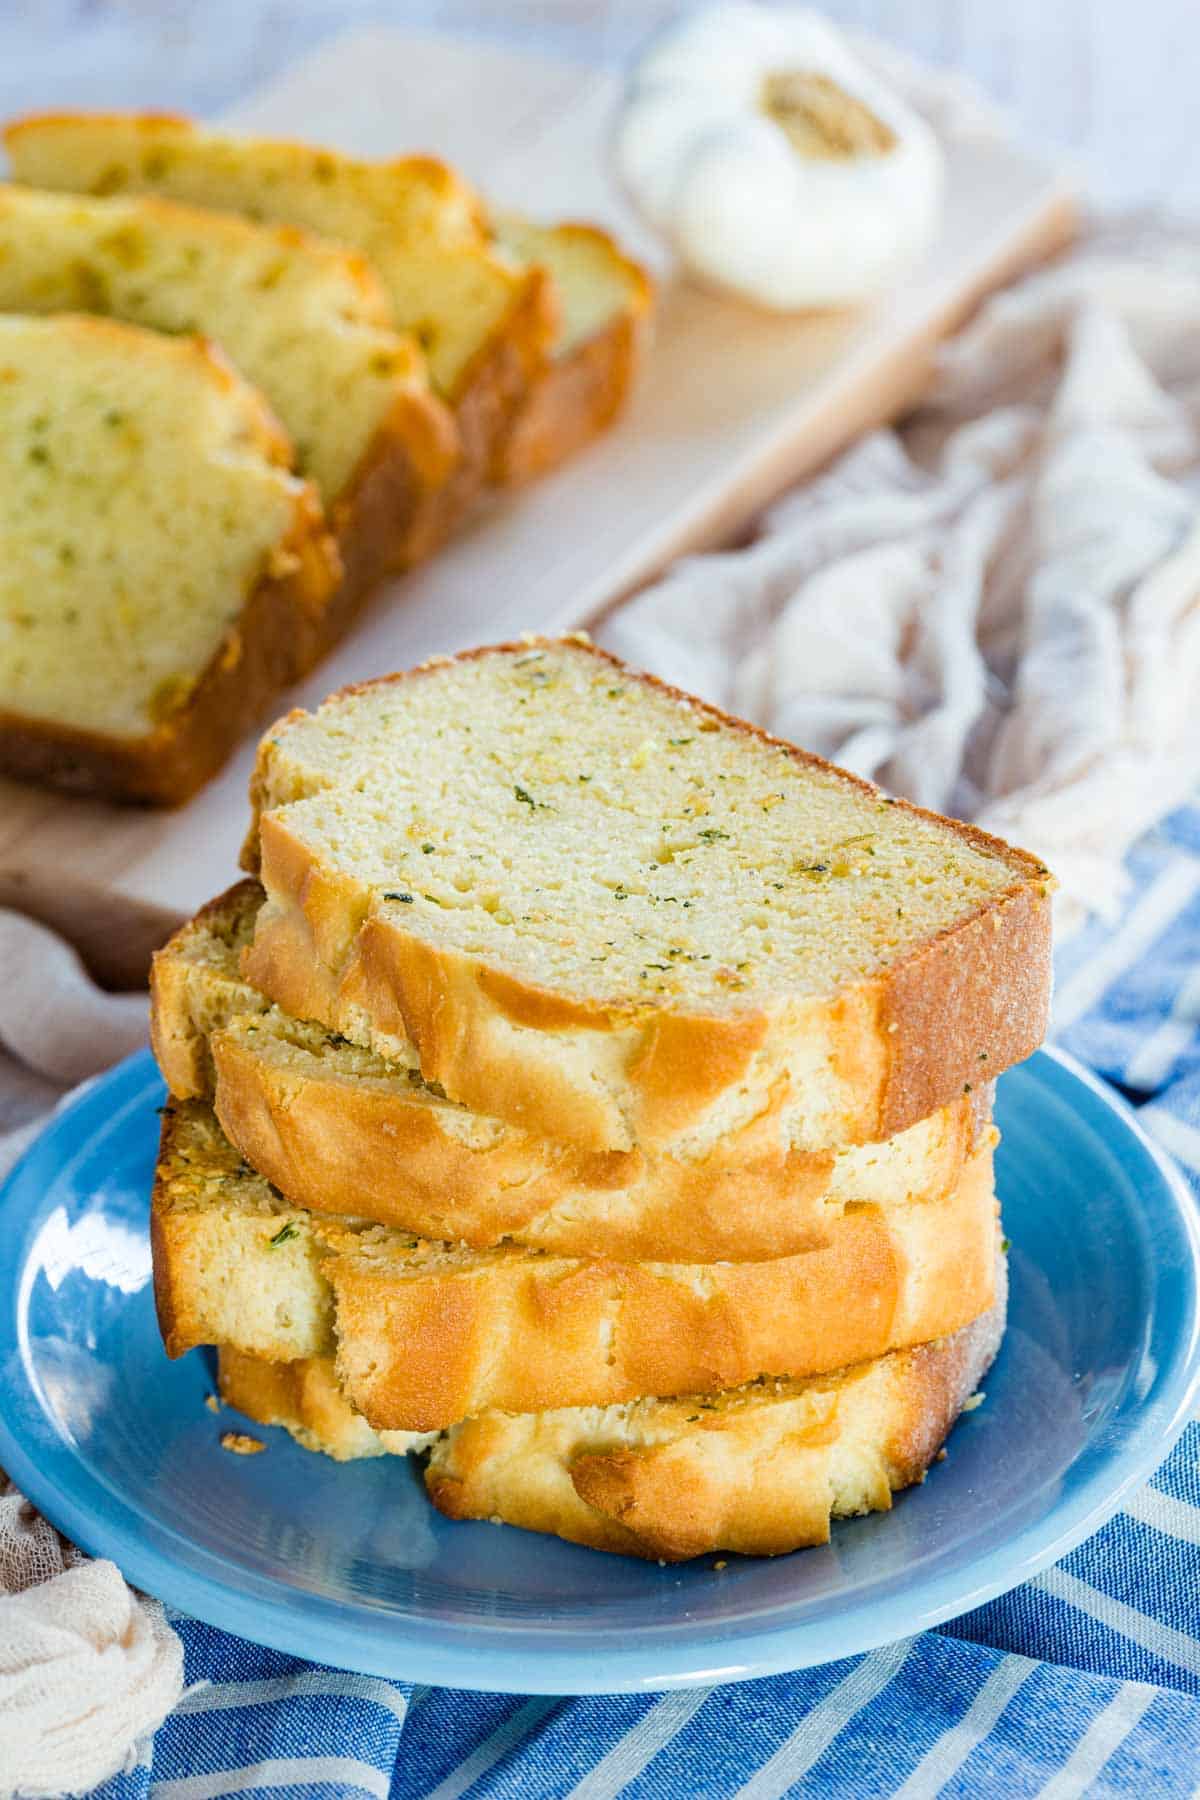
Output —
(381, 520)
(486, 394)
(426, 1336)
(674, 1510)
(683, 1062)
(758, 1474)
(164, 1250)
(468, 1481)
(760, 1471)
(365, 1151)
(445, 1005)
(496, 382)
(277, 638)
(974, 1000)
(574, 401)
(899, 1045)
(525, 1333)
(180, 1050)
(414, 991)
(301, 1396)
(579, 394)
(304, 1398)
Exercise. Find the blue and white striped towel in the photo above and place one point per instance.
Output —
(1084, 1681)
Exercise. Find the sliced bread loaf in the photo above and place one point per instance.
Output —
(427, 1334)
(761, 1470)
(303, 319)
(339, 1129)
(606, 305)
(610, 914)
(533, 332)
(163, 573)
(484, 321)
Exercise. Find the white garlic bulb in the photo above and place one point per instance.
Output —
(773, 162)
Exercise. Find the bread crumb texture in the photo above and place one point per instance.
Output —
(596, 834)
(142, 493)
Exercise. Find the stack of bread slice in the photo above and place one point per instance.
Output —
(593, 1095)
(412, 351)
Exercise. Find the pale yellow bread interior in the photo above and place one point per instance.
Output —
(466, 304)
(602, 837)
(413, 199)
(597, 283)
(144, 492)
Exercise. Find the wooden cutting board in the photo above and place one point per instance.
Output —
(734, 404)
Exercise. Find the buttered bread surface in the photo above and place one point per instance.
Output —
(602, 836)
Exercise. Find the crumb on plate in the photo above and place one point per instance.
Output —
(241, 1443)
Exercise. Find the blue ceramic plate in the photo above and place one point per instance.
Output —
(350, 1565)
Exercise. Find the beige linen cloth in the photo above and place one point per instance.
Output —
(995, 610)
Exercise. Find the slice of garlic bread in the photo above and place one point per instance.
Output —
(163, 575)
(606, 306)
(760, 1471)
(611, 915)
(533, 333)
(409, 199)
(485, 322)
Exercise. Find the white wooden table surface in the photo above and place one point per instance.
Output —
(1111, 81)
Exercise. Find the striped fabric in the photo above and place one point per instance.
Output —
(1085, 1681)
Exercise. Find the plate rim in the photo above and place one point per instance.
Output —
(465, 1658)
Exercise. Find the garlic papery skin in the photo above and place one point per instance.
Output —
(776, 165)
